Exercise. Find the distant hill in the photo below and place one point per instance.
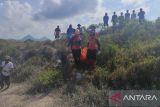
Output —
(31, 38)
(28, 37)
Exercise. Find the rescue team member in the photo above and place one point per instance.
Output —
(75, 44)
(93, 49)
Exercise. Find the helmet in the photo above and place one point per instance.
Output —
(77, 32)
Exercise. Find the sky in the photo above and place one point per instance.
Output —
(40, 17)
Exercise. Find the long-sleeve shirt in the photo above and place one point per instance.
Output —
(75, 42)
(70, 32)
(114, 18)
(105, 19)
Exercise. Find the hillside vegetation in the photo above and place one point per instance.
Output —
(129, 59)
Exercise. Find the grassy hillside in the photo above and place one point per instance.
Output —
(129, 59)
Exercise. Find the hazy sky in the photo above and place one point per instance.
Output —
(40, 17)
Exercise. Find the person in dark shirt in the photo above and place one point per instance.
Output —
(121, 20)
(106, 19)
(141, 15)
(57, 32)
(114, 21)
(133, 15)
(127, 16)
(70, 32)
(80, 29)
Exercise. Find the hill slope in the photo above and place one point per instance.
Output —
(129, 59)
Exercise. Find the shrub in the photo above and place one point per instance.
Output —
(45, 80)
(88, 96)
(107, 56)
(32, 66)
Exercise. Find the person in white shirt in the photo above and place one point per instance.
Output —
(7, 67)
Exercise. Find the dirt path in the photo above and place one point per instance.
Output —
(15, 97)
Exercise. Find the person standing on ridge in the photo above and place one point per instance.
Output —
(106, 19)
(57, 32)
(121, 20)
(133, 15)
(141, 16)
(70, 32)
(7, 68)
(80, 29)
(93, 49)
(114, 21)
(127, 16)
(75, 43)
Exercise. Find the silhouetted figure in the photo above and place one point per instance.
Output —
(127, 16)
(80, 29)
(121, 20)
(114, 21)
(70, 32)
(141, 16)
(106, 19)
(133, 15)
(57, 32)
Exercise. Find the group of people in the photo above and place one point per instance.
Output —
(93, 47)
(116, 21)
(75, 36)
(70, 31)
(124, 18)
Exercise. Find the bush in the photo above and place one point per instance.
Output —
(88, 96)
(45, 80)
(32, 66)
(107, 57)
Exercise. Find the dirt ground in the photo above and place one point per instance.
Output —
(16, 96)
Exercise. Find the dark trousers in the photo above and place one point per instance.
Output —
(76, 55)
(91, 54)
(141, 21)
(91, 57)
(106, 24)
(4, 80)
